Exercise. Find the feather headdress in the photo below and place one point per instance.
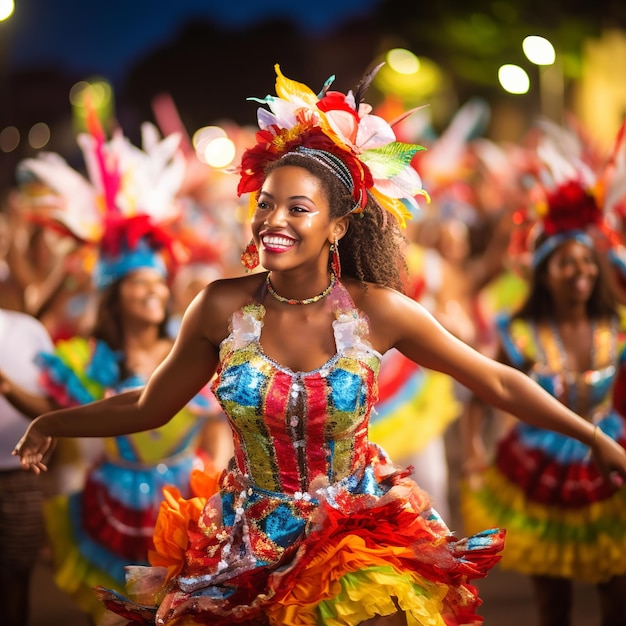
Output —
(343, 126)
(575, 193)
(124, 204)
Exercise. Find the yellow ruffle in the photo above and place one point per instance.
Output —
(591, 545)
(369, 592)
(73, 573)
(351, 582)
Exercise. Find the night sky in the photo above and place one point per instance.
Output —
(82, 36)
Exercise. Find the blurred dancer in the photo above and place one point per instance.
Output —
(109, 523)
(563, 521)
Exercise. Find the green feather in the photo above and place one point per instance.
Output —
(390, 159)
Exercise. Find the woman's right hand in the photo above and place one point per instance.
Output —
(34, 448)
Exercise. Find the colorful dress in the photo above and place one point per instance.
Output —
(562, 518)
(96, 532)
(312, 523)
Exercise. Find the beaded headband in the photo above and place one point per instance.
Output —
(344, 135)
(334, 164)
(545, 249)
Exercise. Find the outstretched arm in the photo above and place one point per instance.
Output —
(187, 368)
(421, 338)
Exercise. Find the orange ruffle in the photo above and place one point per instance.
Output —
(176, 516)
(320, 579)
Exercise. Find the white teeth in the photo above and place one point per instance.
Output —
(275, 240)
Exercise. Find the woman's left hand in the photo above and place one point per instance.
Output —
(610, 457)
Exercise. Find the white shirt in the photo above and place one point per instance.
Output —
(22, 337)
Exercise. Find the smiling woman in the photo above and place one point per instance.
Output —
(565, 522)
(311, 522)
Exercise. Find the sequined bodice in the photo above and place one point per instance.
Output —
(539, 348)
(292, 428)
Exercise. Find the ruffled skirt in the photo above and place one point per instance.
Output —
(562, 518)
(95, 533)
(338, 555)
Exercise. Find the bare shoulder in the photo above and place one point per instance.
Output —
(214, 306)
(390, 312)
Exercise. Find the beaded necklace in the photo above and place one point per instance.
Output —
(310, 300)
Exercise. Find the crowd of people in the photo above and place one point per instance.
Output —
(269, 436)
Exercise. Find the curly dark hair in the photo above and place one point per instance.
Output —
(539, 306)
(108, 325)
(371, 249)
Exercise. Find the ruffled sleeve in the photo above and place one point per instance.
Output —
(517, 340)
(351, 330)
(245, 327)
(79, 371)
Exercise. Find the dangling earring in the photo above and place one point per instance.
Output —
(250, 256)
(335, 261)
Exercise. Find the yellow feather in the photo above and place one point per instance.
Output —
(393, 206)
(293, 91)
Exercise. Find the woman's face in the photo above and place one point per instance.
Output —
(144, 295)
(291, 224)
(571, 272)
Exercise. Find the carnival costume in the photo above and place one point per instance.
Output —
(122, 211)
(312, 523)
(96, 532)
(563, 518)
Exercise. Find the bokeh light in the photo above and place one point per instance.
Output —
(96, 93)
(403, 61)
(514, 79)
(411, 78)
(539, 50)
(6, 9)
(39, 135)
(220, 152)
(9, 139)
(213, 146)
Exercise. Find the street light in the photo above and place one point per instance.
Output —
(513, 79)
(6, 9)
(541, 52)
(538, 50)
